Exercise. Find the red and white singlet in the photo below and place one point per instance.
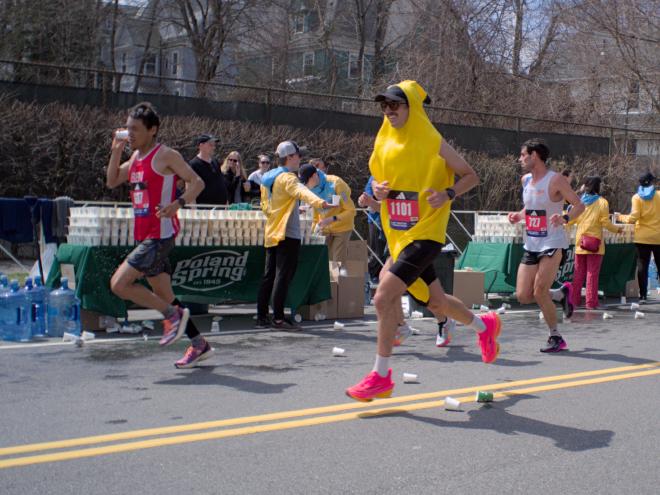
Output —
(150, 189)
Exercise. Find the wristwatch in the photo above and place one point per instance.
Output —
(566, 218)
(451, 193)
(181, 201)
(334, 218)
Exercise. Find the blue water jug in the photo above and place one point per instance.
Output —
(38, 300)
(14, 314)
(63, 311)
(4, 288)
(653, 274)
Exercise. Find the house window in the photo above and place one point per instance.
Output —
(308, 63)
(175, 63)
(353, 67)
(123, 62)
(633, 96)
(150, 65)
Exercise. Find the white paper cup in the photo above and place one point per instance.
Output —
(623, 299)
(452, 404)
(338, 351)
(335, 200)
(409, 378)
(416, 314)
(607, 316)
(88, 335)
(415, 331)
(121, 135)
(634, 306)
(501, 310)
(639, 315)
(338, 326)
(215, 327)
(483, 308)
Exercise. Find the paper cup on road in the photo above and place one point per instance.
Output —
(416, 314)
(501, 311)
(339, 326)
(88, 335)
(452, 404)
(483, 308)
(639, 315)
(409, 378)
(506, 305)
(607, 316)
(623, 299)
(634, 306)
(415, 331)
(338, 351)
(482, 396)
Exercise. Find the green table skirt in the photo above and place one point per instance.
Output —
(500, 263)
(204, 275)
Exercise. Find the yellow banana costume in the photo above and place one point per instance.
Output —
(409, 159)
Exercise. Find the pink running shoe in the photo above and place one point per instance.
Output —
(372, 386)
(487, 339)
(194, 356)
(174, 326)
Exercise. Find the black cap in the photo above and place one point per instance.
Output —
(395, 93)
(647, 179)
(204, 138)
(306, 172)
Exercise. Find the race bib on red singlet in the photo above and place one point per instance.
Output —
(403, 209)
(140, 199)
(536, 223)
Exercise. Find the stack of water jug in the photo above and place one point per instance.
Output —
(32, 311)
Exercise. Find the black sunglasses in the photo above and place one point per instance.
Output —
(232, 160)
(392, 105)
(265, 162)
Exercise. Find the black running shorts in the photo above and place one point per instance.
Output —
(151, 257)
(416, 261)
(533, 257)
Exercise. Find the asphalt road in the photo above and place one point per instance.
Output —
(268, 414)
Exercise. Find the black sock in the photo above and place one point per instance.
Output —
(191, 329)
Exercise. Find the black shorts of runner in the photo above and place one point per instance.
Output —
(534, 257)
(416, 261)
(151, 257)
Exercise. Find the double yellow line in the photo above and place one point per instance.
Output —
(172, 435)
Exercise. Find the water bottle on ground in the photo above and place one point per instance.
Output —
(39, 308)
(653, 274)
(14, 314)
(63, 311)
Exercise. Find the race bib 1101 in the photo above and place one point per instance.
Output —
(403, 209)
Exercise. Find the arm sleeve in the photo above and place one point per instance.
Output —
(605, 217)
(347, 205)
(294, 188)
(634, 211)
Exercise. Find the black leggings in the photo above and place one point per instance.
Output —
(643, 260)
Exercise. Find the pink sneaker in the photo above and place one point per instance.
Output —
(372, 386)
(174, 326)
(194, 355)
(487, 339)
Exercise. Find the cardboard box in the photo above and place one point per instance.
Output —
(357, 252)
(327, 308)
(632, 288)
(469, 287)
(90, 320)
(350, 290)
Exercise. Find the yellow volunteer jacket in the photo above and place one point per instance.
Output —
(281, 203)
(409, 159)
(591, 222)
(646, 217)
(345, 212)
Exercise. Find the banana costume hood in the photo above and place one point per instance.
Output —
(409, 159)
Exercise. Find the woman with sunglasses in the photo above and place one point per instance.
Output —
(235, 177)
(254, 179)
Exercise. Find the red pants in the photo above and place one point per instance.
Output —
(586, 266)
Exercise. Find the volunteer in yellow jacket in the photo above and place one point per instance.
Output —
(589, 245)
(645, 214)
(281, 193)
(413, 169)
(336, 223)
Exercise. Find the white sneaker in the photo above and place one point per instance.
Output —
(402, 333)
(444, 332)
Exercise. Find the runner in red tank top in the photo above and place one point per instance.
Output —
(152, 172)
